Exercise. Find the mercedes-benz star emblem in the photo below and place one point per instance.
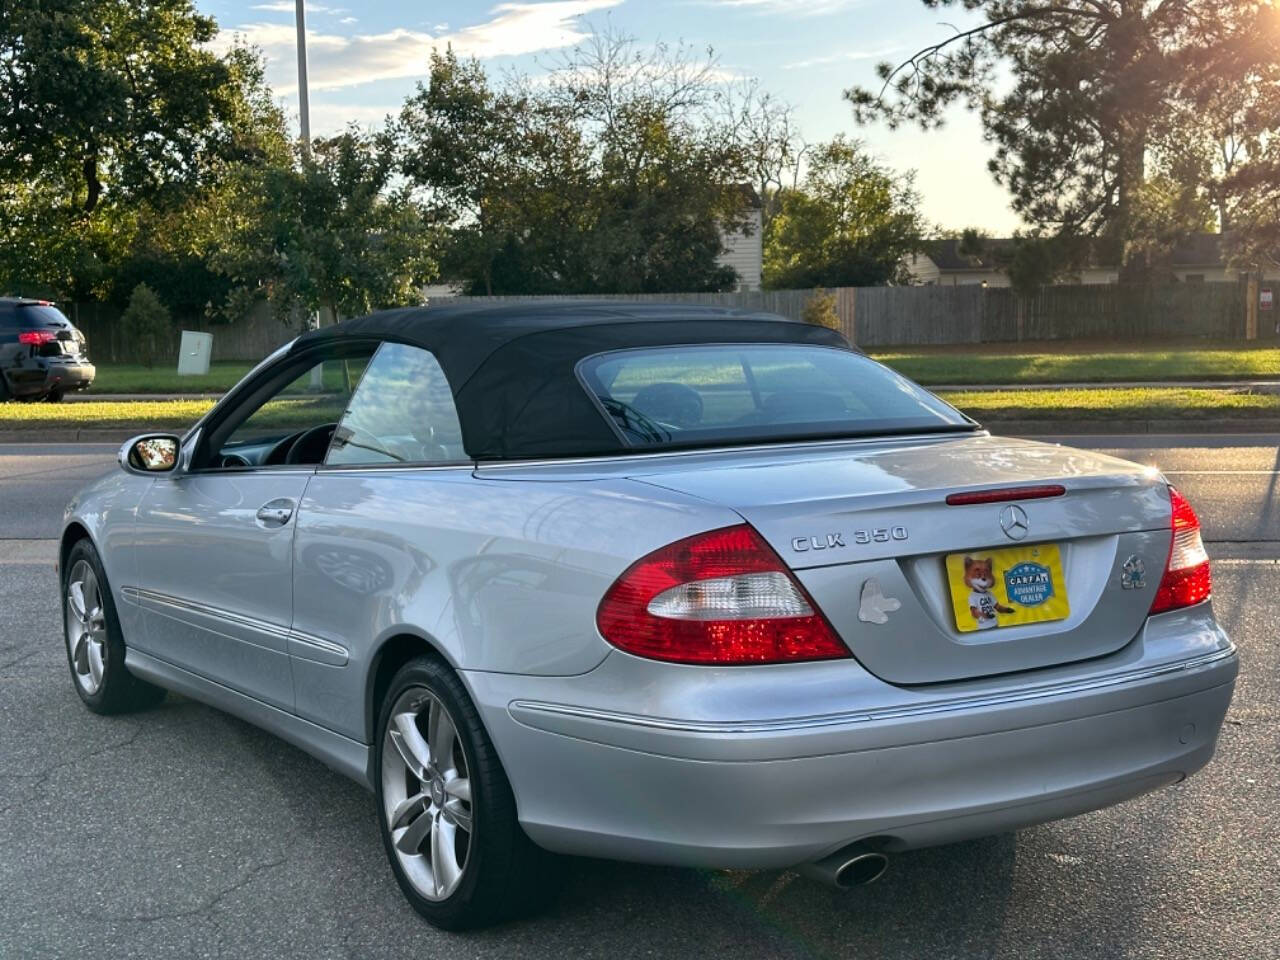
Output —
(1014, 523)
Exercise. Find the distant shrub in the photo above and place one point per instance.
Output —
(821, 310)
(146, 321)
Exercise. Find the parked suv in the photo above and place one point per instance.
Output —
(42, 355)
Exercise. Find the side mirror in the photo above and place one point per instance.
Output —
(151, 454)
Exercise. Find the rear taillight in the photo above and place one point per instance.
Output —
(36, 338)
(1186, 579)
(722, 597)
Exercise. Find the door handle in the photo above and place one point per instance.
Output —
(276, 513)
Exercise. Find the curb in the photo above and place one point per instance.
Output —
(73, 435)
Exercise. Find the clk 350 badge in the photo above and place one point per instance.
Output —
(833, 541)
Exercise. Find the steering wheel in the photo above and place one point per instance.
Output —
(276, 455)
(311, 445)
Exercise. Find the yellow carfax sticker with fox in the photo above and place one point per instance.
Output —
(1007, 587)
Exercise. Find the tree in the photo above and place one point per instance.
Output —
(820, 310)
(147, 321)
(766, 131)
(330, 231)
(850, 223)
(1030, 262)
(109, 93)
(1084, 99)
(460, 144)
(169, 243)
(610, 176)
(663, 182)
(114, 118)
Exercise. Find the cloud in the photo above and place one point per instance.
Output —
(718, 76)
(328, 119)
(336, 60)
(845, 56)
(803, 8)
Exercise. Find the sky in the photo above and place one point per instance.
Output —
(365, 58)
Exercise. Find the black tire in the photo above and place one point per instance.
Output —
(4, 388)
(505, 875)
(54, 396)
(118, 691)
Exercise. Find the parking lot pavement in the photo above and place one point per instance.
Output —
(182, 832)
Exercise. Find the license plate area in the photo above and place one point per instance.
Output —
(1007, 587)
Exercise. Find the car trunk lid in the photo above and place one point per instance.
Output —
(867, 529)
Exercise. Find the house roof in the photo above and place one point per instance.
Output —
(946, 254)
(1200, 250)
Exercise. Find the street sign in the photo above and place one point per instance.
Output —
(1266, 300)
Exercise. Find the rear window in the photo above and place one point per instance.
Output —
(727, 393)
(40, 313)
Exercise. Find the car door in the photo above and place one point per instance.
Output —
(215, 544)
(395, 470)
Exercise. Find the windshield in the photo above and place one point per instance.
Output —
(744, 393)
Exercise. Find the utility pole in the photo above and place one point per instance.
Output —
(304, 108)
(304, 118)
(1252, 293)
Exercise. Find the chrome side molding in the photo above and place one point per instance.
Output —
(305, 646)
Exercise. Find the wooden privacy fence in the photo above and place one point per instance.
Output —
(868, 316)
(918, 316)
(249, 339)
(892, 316)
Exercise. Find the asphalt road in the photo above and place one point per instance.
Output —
(182, 832)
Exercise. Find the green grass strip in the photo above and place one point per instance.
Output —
(995, 364)
(1141, 403)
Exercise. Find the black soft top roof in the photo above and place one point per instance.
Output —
(512, 366)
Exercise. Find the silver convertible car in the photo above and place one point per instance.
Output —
(669, 584)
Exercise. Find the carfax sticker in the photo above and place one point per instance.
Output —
(1007, 587)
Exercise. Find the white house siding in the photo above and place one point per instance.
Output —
(923, 270)
(744, 251)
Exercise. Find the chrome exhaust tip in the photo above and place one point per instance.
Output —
(854, 866)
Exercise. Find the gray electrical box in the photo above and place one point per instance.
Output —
(193, 357)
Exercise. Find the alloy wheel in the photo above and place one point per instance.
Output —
(426, 790)
(86, 627)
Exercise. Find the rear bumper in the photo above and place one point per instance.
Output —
(71, 376)
(765, 793)
(37, 381)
